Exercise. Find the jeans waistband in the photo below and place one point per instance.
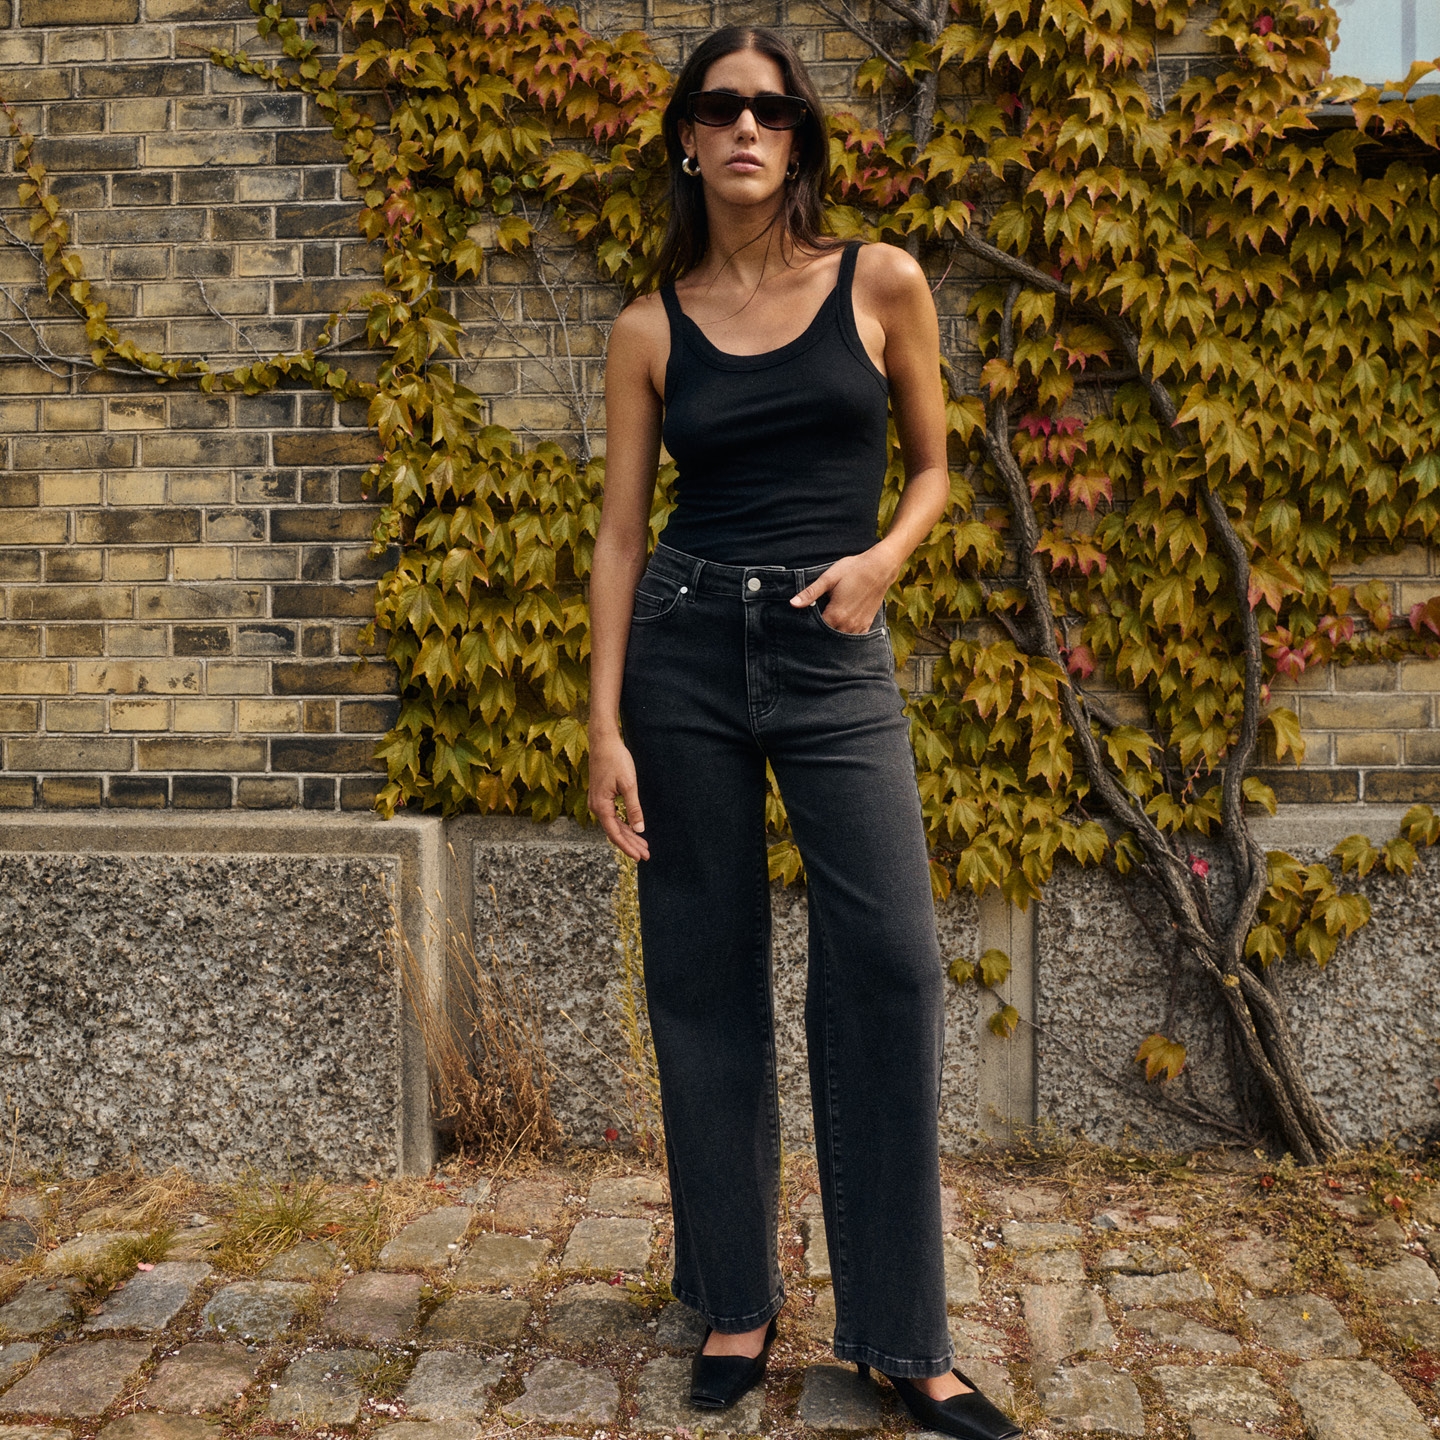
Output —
(744, 582)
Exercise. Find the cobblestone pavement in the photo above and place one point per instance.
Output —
(1171, 1302)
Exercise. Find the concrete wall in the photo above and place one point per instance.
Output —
(220, 992)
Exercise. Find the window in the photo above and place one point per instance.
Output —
(1381, 39)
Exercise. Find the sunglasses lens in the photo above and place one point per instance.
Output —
(720, 107)
(778, 112)
(715, 107)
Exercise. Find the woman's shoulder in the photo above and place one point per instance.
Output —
(641, 323)
(889, 273)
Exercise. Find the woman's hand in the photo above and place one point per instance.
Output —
(612, 777)
(856, 585)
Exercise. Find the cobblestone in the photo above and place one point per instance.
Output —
(594, 1314)
(1263, 1264)
(1406, 1281)
(477, 1320)
(18, 1238)
(1354, 1400)
(1093, 1396)
(833, 1397)
(446, 1386)
(151, 1299)
(321, 1387)
(309, 1260)
(142, 1426)
(255, 1309)
(665, 1403)
(77, 1381)
(1063, 1320)
(1218, 1392)
(529, 1205)
(639, 1195)
(1172, 1329)
(1035, 1325)
(202, 1376)
(375, 1307)
(41, 1305)
(559, 1392)
(1136, 1291)
(501, 1260)
(430, 1241)
(14, 1357)
(1306, 1326)
(608, 1244)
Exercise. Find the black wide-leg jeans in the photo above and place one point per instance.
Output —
(723, 674)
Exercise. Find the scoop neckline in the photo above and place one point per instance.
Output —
(730, 360)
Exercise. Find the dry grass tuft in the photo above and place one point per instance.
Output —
(269, 1216)
(118, 1261)
(641, 1076)
(489, 1076)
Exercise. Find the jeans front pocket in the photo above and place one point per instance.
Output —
(656, 596)
(877, 626)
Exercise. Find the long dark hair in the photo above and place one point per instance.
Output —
(687, 235)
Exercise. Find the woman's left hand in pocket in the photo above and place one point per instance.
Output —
(856, 586)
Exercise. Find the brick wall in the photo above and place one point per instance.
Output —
(184, 578)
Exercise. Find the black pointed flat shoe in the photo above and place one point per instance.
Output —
(718, 1381)
(967, 1417)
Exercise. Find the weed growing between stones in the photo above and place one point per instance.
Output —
(270, 1216)
(490, 1078)
(118, 1261)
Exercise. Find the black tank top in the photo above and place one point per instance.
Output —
(781, 456)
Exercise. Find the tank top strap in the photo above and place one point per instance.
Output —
(845, 310)
(672, 309)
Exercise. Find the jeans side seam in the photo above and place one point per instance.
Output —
(837, 1259)
(762, 935)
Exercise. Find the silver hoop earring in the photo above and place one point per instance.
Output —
(690, 165)
(792, 170)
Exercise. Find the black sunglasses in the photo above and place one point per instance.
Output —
(724, 107)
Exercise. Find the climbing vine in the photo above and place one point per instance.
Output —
(1204, 384)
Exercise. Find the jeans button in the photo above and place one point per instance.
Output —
(753, 583)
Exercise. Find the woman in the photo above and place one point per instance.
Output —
(756, 634)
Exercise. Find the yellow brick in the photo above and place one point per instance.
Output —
(236, 677)
(1423, 748)
(137, 487)
(139, 117)
(268, 715)
(17, 417)
(1419, 592)
(138, 564)
(75, 717)
(136, 412)
(204, 562)
(1420, 675)
(201, 487)
(841, 45)
(1370, 678)
(209, 717)
(34, 678)
(139, 714)
(1364, 712)
(1412, 560)
(73, 413)
(137, 677)
(1367, 748)
(62, 488)
(533, 414)
(19, 716)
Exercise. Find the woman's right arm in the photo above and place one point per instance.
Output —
(633, 415)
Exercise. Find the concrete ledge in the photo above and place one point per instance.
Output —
(215, 990)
